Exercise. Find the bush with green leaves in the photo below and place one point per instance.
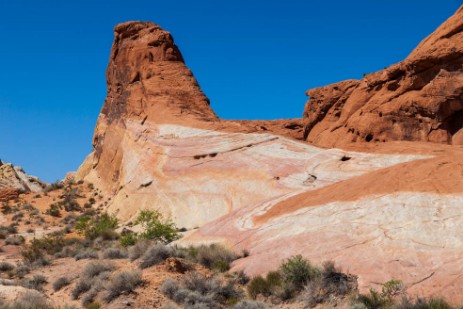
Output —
(128, 239)
(100, 226)
(155, 227)
(298, 271)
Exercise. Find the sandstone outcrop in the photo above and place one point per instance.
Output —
(14, 180)
(157, 142)
(419, 99)
(380, 210)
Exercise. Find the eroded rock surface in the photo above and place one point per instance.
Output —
(14, 180)
(419, 99)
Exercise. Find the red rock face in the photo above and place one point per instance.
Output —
(8, 194)
(419, 99)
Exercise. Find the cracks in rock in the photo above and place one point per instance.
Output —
(422, 280)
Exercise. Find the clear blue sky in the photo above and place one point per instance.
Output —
(253, 59)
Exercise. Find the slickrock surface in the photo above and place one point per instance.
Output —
(398, 222)
(419, 99)
(379, 210)
(14, 180)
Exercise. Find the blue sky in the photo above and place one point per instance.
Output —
(253, 59)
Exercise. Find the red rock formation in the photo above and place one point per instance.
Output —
(8, 194)
(419, 99)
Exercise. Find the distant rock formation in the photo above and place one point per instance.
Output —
(14, 180)
(419, 99)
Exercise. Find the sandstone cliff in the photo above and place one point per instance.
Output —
(419, 99)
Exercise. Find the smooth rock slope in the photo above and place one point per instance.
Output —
(380, 210)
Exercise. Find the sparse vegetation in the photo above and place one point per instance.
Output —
(198, 291)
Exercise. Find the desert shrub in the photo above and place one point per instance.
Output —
(5, 267)
(86, 254)
(3, 234)
(34, 283)
(213, 256)
(61, 283)
(114, 253)
(392, 288)
(128, 239)
(331, 282)
(298, 271)
(124, 282)
(96, 268)
(22, 270)
(250, 304)
(169, 287)
(156, 227)
(198, 291)
(94, 305)
(53, 210)
(156, 254)
(18, 216)
(69, 219)
(138, 250)
(11, 229)
(14, 240)
(241, 278)
(97, 285)
(103, 225)
(258, 285)
(81, 287)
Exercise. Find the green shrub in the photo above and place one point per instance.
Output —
(103, 225)
(298, 271)
(258, 285)
(54, 211)
(128, 239)
(156, 228)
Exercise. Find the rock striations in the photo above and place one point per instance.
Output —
(380, 210)
(419, 99)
